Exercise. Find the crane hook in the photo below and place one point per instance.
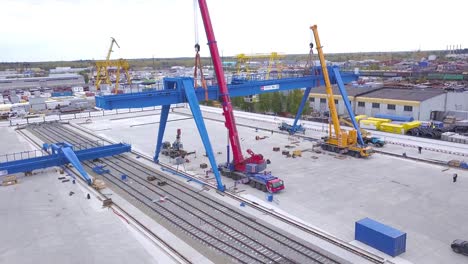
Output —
(197, 47)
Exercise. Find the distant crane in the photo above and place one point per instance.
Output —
(244, 62)
(102, 67)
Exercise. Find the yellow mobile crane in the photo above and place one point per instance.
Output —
(341, 141)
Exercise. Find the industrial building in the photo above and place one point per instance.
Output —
(414, 102)
(58, 80)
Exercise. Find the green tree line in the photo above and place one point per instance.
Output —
(274, 102)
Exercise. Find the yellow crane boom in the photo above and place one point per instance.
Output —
(110, 48)
(328, 87)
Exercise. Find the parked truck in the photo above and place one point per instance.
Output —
(378, 142)
(254, 174)
(291, 129)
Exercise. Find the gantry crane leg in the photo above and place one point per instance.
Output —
(162, 128)
(189, 90)
(301, 108)
(197, 116)
(344, 95)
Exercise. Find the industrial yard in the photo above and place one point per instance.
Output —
(304, 156)
(409, 195)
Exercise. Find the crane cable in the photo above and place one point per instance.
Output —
(195, 19)
(310, 62)
(198, 66)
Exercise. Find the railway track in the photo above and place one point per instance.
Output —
(173, 252)
(214, 224)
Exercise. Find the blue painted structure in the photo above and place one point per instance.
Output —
(382, 237)
(185, 85)
(395, 117)
(344, 95)
(340, 81)
(61, 154)
(181, 90)
(59, 94)
(175, 94)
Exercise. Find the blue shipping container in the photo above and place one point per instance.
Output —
(379, 236)
(58, 94)
(395, 117)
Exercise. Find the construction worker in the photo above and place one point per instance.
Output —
(455, 177)
(419, 149)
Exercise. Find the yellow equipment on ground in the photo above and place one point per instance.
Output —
(346, 122)
(341, 141)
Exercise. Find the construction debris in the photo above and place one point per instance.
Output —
(340, 157)
(285, 152)
(107, 202)
(162, 183)
(203, 166)
(260, 137)
(276, 149)
(150, 178)
(9, 180)
(99, 184)
(297, 153)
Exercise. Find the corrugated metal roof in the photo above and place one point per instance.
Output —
(394, 93)
(352, 91)
(409, 94)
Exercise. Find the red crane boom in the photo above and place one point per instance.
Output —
(230, 122)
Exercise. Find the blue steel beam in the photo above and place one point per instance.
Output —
(197, 116)
(162, 128)
(59, 159)
(305, 99)
(344, 95)
(73, 159)
(175, 94)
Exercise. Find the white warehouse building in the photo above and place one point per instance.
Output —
(415, 102)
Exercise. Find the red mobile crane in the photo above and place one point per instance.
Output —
(242, 168)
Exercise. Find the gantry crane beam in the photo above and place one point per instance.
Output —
(175, 93)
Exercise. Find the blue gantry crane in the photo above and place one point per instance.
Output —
(61, 154)
(181, 90)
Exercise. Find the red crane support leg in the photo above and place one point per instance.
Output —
(226, 101)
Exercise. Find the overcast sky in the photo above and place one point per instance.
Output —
(41, 30)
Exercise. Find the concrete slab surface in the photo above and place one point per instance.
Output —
(43, 223)
(329, 192)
